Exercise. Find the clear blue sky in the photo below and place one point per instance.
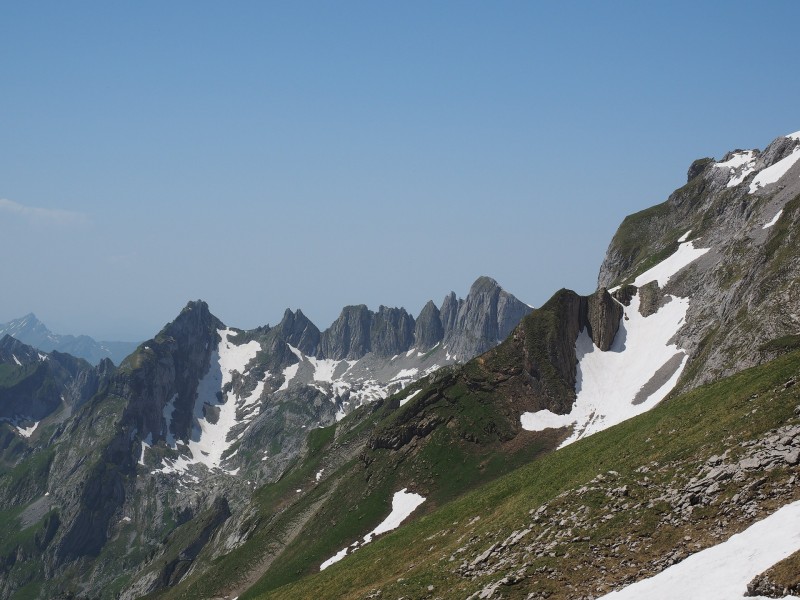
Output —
(264, 155)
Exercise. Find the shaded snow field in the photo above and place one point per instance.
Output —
(722, 572)
(209, 441)
(639, 369)
(403, 504)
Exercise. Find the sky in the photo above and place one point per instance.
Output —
(265, 155)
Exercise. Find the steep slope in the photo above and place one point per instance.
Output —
(41, 389)
(745, 211)
(610, 509)
(32, 331)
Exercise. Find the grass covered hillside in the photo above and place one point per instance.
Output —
(605, 511)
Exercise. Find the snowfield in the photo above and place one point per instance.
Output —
(773, 220)
(209, 441)
(637, 372)
(722, 572)
(775, 172)
(741, 160)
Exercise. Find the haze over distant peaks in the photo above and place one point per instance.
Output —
(33, 332)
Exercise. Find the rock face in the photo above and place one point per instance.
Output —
(40, 384)
(428, 330)
(296, 329)
(349, 336)
(482, 320)
(168, 369)
(32, 331)
(465, 327)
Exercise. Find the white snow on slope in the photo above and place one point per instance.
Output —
(775, 172)
(609, 382)
(209, 441)
(736, 161)
(146, 443)
(774, 220)
(684, 237)
(16, 360)
(406, 374)
(744, 160)
(288, 374)
(324, 368)
(409, 397)
(722, 572)
(27, 431)
(334, 559)
(639, 369)
(403, 504)
(668, 267)
(794, 136)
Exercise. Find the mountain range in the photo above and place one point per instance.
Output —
(640, 441)
(32, 331)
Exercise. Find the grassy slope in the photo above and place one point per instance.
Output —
(709, 419)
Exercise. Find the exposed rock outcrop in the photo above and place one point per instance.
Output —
(486, 316)
(428, 330)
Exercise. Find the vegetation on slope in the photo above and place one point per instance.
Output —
(618, 494)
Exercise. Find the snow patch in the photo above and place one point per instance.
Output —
(318, 476)
(774, 220)
(663, 271)
(333, 559)
(745, 161)
(27, 431)
(403, 504)
(406, 374)
(775, 172)
(634, 375)
(794, 136)
(722, 572)
(409, 397)
(684, 237)
(324, 368)
(288, 374)
(16, 360)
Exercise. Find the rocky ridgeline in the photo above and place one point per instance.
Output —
(466, 327)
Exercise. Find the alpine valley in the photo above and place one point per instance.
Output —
(639, 442)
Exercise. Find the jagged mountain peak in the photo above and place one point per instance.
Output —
(484, 284)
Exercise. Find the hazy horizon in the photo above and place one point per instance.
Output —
(261, 156)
